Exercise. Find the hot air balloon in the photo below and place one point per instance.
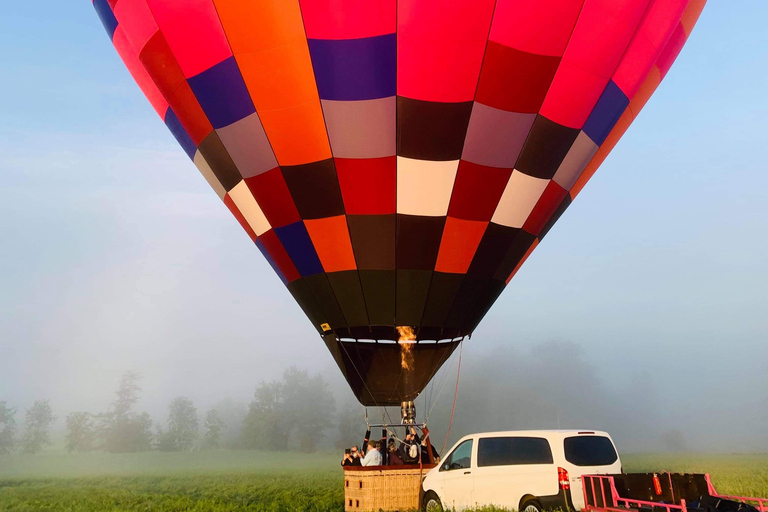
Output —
(396, 161)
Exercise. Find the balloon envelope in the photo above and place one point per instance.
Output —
(397, 161)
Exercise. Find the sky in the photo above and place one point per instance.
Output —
(116, 255)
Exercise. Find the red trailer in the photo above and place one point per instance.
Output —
(661, 492)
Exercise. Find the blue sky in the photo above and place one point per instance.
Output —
(115, 253)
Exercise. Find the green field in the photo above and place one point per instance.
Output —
(254, 481)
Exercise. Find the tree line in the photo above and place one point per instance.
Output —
(291, 413)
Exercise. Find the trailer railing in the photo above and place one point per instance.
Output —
(610, 501)
(759, 503)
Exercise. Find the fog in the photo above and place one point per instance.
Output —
(642, 312)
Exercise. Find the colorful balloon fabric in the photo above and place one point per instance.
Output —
(396, 161)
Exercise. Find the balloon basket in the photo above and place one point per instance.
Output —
(386, 488)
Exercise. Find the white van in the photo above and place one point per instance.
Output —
(530, 471)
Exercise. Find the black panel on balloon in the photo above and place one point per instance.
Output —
(379, 292)
(315, 189)
(320, 287)
(346, 286)
(474, 298)
(412, 290)
(373, 240)
(442, 293)
(429, 130)
(544, 149)
(493, 246)
(307, 302)
(484, 300)
(566, 202)
(515, 252)
(218, 159)
(418, 241)
(374, 370)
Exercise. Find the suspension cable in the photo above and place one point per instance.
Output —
(455, 396)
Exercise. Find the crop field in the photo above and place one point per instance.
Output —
(219, 481)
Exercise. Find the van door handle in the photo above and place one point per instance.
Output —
(467, 472)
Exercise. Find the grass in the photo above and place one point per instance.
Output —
(221, 481)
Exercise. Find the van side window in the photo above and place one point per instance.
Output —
(508, 451)
(590, 451)
(460, 457)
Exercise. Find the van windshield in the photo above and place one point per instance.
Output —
(590, 451)
(507, 451)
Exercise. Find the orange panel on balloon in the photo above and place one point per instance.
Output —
(297, 134)
(259, 25)
(330, 237)
(280, 77)
(459, 244)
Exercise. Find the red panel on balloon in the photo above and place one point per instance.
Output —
(239, 216)
(368, 185)
(279, 255)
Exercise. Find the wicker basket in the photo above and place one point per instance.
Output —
(387, 488)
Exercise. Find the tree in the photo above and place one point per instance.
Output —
(296, 408)
(182, 426)
(351, 424)
(121, 428)
(37, 425)
(309, 406)
(81, 435)
(213, 429)
(261, 426)
(7, 428)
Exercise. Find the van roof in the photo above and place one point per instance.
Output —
(541, 433)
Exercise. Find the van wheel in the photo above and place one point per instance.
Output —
(432, 503)
(531, 506)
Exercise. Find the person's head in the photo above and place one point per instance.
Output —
(392, 448)
(354, 451)
(372, 445)
(391, 442)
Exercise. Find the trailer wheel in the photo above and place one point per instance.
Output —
(531, 506)
(431, 503)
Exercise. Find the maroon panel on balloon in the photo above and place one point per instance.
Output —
(513, 80)
(373, 240)
(274, 198)
(368, 185)
(279, 255)
(548, 203)
(161, 65)
(477, 191)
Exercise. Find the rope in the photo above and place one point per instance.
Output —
(455, 396)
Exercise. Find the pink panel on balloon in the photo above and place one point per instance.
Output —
(138, 72)
(572, 96)
(672, 50)
(602, 34)
(533, 26)
(348, 19)
(440, 48)
(193, 32)
(656, 29)
(137, 20)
